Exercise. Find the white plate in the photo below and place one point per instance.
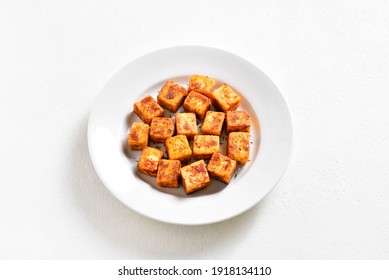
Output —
(111, 116)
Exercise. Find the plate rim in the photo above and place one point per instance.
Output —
(288, 111)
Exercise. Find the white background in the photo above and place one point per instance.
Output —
(329, 58)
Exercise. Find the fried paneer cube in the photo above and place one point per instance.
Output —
(204, 146)
(139, 136)
(221, 167)
(168, 175)
(186, 124)
(202, 84)
(195, 177)
(177, 147)
(213, 123)
(238, 121)
(171, 96)
(148, 162)
(147, 109)
(225, 98)
(161, 128)
(238, 147)
(197, 103)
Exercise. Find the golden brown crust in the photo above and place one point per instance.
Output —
(138, 138)
(186, 124)
(147, 109)
(213, 123)
(239, 146)
(195, 176)
(221, 167)
(204, 146)
(177, 147)
(197, 103)
(161, 129)
(148, 161)
(169, 173)
(202, 84)
(238, 121)
(171, 96)
(226, 98)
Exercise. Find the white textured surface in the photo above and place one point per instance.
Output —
(330, 59)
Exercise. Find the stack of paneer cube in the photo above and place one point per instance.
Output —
(195, 166)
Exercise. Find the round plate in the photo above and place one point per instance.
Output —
(116, 164)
